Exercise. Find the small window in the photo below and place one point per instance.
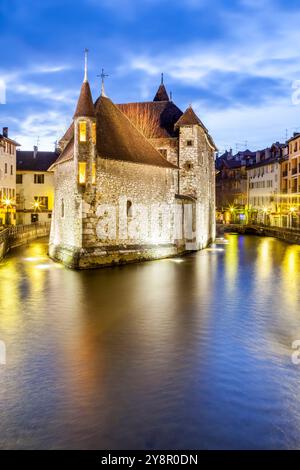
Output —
(5, 170)
(189, 166)
(62, 211)
(93, 173)
(81, 172)
(94, 132)
(34, 218)
(39, 179)
(189, 143)
(11, 169)
(129, 209)
(82, 131)
(49, 215)
(19, 178)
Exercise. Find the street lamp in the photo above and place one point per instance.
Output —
(7, 202)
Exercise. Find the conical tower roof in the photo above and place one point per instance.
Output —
(85, 105)
(161, 94)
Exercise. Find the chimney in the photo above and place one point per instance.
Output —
(5, 131)
(258, 156)
(35, 151)
(267, 153)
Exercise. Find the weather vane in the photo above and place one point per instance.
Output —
(103, 75)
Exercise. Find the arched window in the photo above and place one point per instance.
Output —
(129, 209)
(62, 209)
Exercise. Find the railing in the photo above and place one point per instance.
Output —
(17, 235)
(4, 234)
(18, 229)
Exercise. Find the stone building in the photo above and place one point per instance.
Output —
(35, 186)
(290, 183)
(264, 188)
(7, 179)
(133, 182)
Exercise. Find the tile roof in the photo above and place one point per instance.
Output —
(162, 114)
(85, 105)
(189, 118)
(26, 160)
(118, 138)
(2, 137)
(161, 94)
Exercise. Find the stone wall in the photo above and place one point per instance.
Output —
(131, 213)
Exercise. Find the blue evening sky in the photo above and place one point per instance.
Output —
(234, 61)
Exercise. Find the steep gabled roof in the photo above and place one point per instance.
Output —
(27, 160)
(161, 94)
(119, 139)
(85, 105)
(189, 118)
(67, 154)
(162, 114)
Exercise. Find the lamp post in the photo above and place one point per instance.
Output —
(7, 203)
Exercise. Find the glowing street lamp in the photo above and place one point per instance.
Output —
(7, 203)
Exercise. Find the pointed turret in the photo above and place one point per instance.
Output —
(85, 135)
(161, 94)
(189, 118)
(85, 105)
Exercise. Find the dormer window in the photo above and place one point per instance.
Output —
(189, 143)
(82, 131)
(94, 132)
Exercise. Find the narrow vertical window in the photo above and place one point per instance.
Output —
(82, 131)
(81, 172)
(94, 132)
(62, 209)
(129, 209)
(93, 173)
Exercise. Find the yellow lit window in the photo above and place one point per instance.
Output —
(81, 172)
(82, 131)
(94, 132)
(93, 173)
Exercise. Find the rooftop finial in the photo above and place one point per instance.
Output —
(85, 64)
(103, 76)
(162, 79)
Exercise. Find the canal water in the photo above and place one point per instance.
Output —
(186, 353)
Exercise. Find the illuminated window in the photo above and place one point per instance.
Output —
(82, 131)
(81, 172)
(93, 173)
(94, 132)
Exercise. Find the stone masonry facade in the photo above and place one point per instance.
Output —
(128, 211)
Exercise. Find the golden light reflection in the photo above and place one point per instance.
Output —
(290, 275)
(264, 258)
(231, 261)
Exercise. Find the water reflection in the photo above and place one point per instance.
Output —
(192, 352)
